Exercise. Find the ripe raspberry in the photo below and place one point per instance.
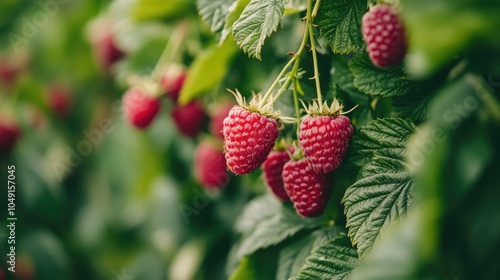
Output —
(272, 170)
(384, 35)
(172, 81)
(107, 51)
(9, 134)
(249, 137)
(140, 108)
(59, 100)
(210, 166)
(189, 119)
(217, 121)
(307, 189)
(324, 136)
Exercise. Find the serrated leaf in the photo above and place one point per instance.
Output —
(383, 137)
(335, 259)
(340, 24)
(259, 19)
(372, 80)
(383, 193)
(255, 211)
(292, 258)
(234, 12)
(214, 12)
(207, 70)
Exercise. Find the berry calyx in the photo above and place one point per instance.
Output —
(173, 80)
(189, 119)
(9, 135)
(272, 170)
(384, 35)
(324, 136)
(140, 108)
(307, 189)
(210, 166)
(249, 135)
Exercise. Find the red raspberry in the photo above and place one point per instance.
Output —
(210, 166)
(384, 35)
(324, 140)
(172, 81)
(307, 189)
(272, 170)
(140, 108)
(8, 73)
(9, 134)
(189, 119)
(107, 51)
(60, 100)
(249, 137)
(217, 121)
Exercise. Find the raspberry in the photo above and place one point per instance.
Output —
(307, 189)
(272, 170)
(324, 135)
(210, 166)
(140, 108)
(189, 119)
(107, 51)
(59, 100)
(324, 141)
(9, 134)
(249, 137)
(384, 35)
(172, 81)
(217, 121)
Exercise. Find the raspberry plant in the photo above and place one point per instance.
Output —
(256, 139)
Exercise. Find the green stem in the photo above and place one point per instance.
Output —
(277, 80)
(172, 48)
(313, 49)
(297, 109)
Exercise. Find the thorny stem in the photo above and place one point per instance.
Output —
(310, 18)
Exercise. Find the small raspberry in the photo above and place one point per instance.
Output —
(140, 108)
(189, 119)
(272, 170)
(324, 136)
(172, 81)
(384, 35)
(249, 137)
(9, 134)
(217, 121)
(307, 189)
(210, 166)
(60, 100)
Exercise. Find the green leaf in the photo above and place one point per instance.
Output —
(295, 6)
(234, 13)
(293, 257)
(381, 136)
(270, 227)
(259, 19)
(335, 259)
(207, 70)
(340, 24)
(372, 80)
(245, 270)
(382, 194)
(155, 9)
(214, 12)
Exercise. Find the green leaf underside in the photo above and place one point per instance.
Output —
(270, 227)
(372, 80)
(382, 194)
(213, 12)
(207, 70)
(335, 259)
(382, 136)
(293, 257)
(259, 19)
(234, 13)
(340, 24)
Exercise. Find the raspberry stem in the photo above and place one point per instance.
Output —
(172, 47)
(310, 18)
